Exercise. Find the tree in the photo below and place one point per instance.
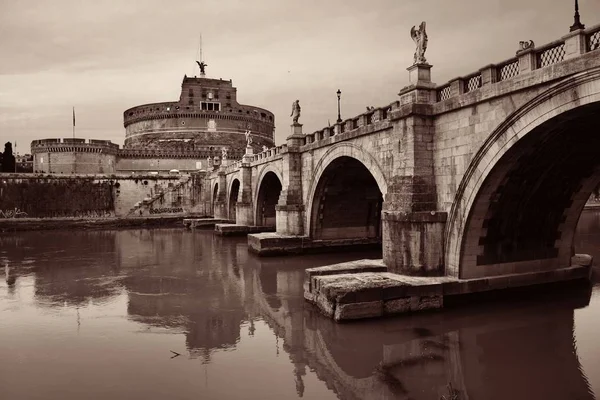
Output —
(8, 159)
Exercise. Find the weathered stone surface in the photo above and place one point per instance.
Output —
(355, 294)
(202, 222)
(370, 309)
(239, 230)
(343, 268)
(585, 260)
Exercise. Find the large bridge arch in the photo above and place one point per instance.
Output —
(266, 196)
(355, 158)
(519, 202)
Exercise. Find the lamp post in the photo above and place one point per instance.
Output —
(339, 94)
(577, 22)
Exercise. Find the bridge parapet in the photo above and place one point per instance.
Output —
(267, 155)
(368, 122)
(528, 59)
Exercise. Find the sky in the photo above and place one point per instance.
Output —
(105, 56)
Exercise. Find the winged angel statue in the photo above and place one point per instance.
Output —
(419, 36)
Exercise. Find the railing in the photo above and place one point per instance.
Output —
(508, 70)
(543, 56)
(593, 40)
(550, 54)
(472, 83)
(443, 93)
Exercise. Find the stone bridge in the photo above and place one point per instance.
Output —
(483, 176)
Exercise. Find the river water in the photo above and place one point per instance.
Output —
(176, 314)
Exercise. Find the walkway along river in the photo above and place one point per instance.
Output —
(179, 314)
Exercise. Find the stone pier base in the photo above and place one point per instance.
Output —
(363, 289)
(278, 244)
(202, 222)
(240, 230)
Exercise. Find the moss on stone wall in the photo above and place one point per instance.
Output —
(39, 198)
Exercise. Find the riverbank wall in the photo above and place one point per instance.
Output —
(25, 198)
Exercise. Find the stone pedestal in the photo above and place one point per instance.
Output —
(527, 60)
(575, 44)
(420, 90)
(296, 137)
(413, 242)
(419, 73)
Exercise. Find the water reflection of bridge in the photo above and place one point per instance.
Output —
(208, 287)
(493, 353)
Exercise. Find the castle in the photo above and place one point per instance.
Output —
(206, 125)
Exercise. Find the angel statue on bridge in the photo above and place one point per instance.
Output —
(295, 112)
(419, 36)
(248, 138)
(224, 153)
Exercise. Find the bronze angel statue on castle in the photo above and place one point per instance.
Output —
(419, 36)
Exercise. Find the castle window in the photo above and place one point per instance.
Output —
(211, 106)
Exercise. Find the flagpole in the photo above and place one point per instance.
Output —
(73, 122)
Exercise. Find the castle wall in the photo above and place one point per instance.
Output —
(98, 196)
(74, 156)
(125, 165)
(74, 163)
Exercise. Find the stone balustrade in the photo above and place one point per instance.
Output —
(571, 45)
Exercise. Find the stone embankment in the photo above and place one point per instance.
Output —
(34, 224)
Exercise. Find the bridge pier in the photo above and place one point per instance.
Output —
(220, 197)
(413, 242)
(244, 212)
(290, 209)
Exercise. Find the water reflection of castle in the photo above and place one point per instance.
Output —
(208, 288)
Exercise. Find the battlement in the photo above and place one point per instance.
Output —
(175, 110)
(59, 145)
(202, 154)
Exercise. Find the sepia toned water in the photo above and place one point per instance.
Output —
(176, 314)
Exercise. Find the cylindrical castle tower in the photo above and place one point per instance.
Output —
(74, 156)
(206, 119)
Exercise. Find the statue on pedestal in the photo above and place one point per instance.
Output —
(248, 138)
(265, 148)
(223, 154)
(419, 36)
(295, 112)
(202, 65)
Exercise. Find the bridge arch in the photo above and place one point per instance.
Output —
(232, 198)
(266, 196)
(214, 197)
(518, 204)
(348, 157)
